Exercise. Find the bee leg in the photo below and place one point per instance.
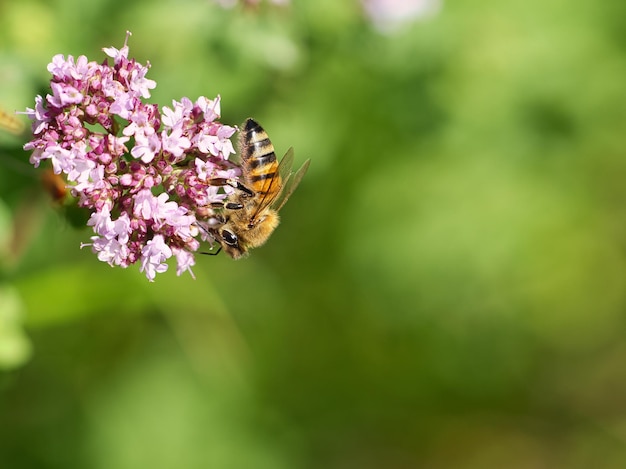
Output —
(226, 205)
(232, 183)
(212, 232)
(243, 188)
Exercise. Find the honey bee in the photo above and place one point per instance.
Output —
(250, 214)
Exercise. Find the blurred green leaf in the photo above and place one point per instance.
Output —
(15, 347)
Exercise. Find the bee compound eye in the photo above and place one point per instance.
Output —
(229, 237)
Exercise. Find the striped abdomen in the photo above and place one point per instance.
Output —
(258, 160)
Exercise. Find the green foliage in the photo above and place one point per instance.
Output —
(446, 288)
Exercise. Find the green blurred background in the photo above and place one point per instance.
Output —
(446, 289)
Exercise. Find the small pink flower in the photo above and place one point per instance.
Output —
(60, 157)
(123, 105)
(153, 257)
(175, 143)
(119, 55)
(110, 251)
(82, 69)
(101, 221)
(61, 68)
(210, 107)
(63, 95)
(122, 228)
(147, 145)
(139, 83)
(173, 117)
(185, 261)
(38, 116)
(145, 204)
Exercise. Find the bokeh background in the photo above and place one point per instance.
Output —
(446, 290)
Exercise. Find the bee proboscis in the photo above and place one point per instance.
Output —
(250, 214)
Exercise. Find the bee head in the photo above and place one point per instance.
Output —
(238, 234)
(230, 243)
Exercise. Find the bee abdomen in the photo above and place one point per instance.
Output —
(262, 176)
(256, 147)
(260, 162)
(258, 158)
(259, 179)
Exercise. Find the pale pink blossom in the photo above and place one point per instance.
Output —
(154, 256)
(389, 16)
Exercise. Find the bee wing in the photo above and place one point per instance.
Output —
(291, 183)
(284, 170)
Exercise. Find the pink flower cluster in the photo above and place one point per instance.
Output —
(147, 176)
